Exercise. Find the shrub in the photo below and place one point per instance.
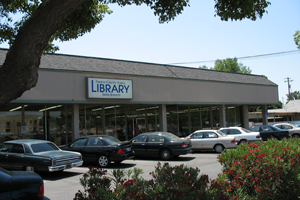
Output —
(261, 170)
(179, 182)
(168, 183)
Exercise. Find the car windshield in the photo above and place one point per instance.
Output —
(41, 147)
(221, 133)
(245, 130)
(171, 136)
(111, 140)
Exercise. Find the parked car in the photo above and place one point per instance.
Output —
(212, 140)
(36, 155)
(270, 132)
(20, 185)
(241, 134)
(101, 149)
(160, 144)
(293, 130)
(297, 123)
(7, 134)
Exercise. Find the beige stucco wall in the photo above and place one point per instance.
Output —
(68, 87)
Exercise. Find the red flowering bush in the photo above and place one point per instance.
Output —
(99, 185)
(168, 183)
(179, 182)
(262, 170)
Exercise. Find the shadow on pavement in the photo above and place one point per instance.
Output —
(124, 165)
(180, 158)
(204, 152)
(53, 176)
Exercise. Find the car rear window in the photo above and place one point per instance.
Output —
(246, 130)
(221, 133)
(41, 147)
(171, 136)
(111, 140)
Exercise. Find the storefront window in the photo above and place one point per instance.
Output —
(233, 114)
(195, 118)
(183, 119)
(10, 122)
(172, 119)
(90, 120)
(121, 123)
(230, 116)
(59, 120)
(136, 120)
(110, 121)
(215, 117)
(153, 118)
(93, 120)
(34, 120)
(205, 117)
(238, 116)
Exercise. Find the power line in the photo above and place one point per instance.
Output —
(245, 57)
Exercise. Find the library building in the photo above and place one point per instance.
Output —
(77, 95)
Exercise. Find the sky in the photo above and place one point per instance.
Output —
(196, 36)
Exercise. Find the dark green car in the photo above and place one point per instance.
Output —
(36, 155)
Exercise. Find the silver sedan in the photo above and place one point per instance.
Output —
(211, 140)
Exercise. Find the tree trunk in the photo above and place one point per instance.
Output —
(19, 71)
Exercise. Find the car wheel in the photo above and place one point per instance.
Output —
(165, 154)
(103, 161)
(296, 136)
(219, 148)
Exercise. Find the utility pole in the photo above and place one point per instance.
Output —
(288, 80)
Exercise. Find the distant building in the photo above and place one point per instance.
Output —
(289, 113)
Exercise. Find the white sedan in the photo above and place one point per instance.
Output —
(211, 140)
(294, 131)
(241, 134)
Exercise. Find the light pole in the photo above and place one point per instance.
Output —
(288, 80)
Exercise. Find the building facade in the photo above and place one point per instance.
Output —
(78, 95)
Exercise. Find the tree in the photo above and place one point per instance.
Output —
(292, 96)
(229, 65)
(44, 21)
(297, 38)
(204, 67)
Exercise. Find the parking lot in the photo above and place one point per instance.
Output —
(64, 185)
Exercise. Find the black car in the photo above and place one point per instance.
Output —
(36, 155)
(160, 144)
(101, 149)
(270, 132)
(20, 185)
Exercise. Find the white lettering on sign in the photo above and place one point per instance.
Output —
(109, 88)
